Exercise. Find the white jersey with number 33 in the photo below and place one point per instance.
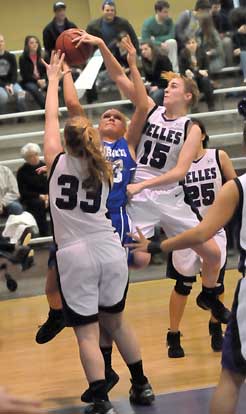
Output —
(77, 213)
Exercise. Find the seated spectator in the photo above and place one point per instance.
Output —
(9, 193)
(159, 30)
(56, 27)
(238, 19)
(188, 23)
(223, 27)
(8, 80)
(111, 28)
(32, 70)
(154, 63)
(212, 45)
(34, 187)
(193, 63)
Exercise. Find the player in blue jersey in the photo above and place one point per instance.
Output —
(119, 145)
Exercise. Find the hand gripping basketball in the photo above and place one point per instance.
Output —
(75, 54)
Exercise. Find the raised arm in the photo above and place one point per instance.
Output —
(113, 67)
(70, 94)
(52, 138)
(139, 117)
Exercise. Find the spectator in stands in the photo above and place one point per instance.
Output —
(56, 27)
(154, 63)
(159, 29)
(9, 193)
(188, 23)
(34, 187)
(238, 19)
(111, 28)
(8, 80)
(193, 63)
(212, 45)
(223, 27)
(32, 70)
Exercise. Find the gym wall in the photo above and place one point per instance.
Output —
(19, 18)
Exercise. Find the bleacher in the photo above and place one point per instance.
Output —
(225, 125)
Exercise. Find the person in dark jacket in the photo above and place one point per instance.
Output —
(33, 187)
(193, 63)
(56, 27)
(32, 70)
(111, 28)
(8, 80)
(154, 63)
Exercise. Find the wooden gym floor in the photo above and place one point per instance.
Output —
(52, 372)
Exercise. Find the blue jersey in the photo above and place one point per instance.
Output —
(123, 167)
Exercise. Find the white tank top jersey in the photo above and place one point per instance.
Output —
(241, 183)
(76, 213)
(204, 180)
(160, 145)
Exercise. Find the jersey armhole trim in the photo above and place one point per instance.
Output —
(151, 111)
(54, 165)
(217, 157)
(240, 190)
(187, 123)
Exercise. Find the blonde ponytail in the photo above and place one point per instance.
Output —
(82, 140)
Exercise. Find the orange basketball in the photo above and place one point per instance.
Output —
(73, 55)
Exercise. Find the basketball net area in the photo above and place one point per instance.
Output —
(87, 78)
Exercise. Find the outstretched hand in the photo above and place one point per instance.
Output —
(84, 37)
(141, 243)
(54, 68)
(126, 43)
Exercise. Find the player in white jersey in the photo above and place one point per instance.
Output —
(230, 200)
(168, 145)
(209, 170)
(91, 262)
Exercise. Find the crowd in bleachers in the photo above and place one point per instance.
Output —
(199, 44)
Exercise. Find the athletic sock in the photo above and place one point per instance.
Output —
(99, 390)
(137, 373)
(212, 292)
(55, 313)
(107, 356)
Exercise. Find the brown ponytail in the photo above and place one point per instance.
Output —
(82, 140)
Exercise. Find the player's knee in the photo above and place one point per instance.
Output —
(183, 288)
(140, 260)
(213, 255)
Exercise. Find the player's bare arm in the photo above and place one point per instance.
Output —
(52, 138)
(115, 71)
(226, 166)
(70, 95)
(217, 217)
(178, 173)
(138, 119)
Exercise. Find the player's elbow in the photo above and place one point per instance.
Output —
(181, 173)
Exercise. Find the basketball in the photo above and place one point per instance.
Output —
(73, 55)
